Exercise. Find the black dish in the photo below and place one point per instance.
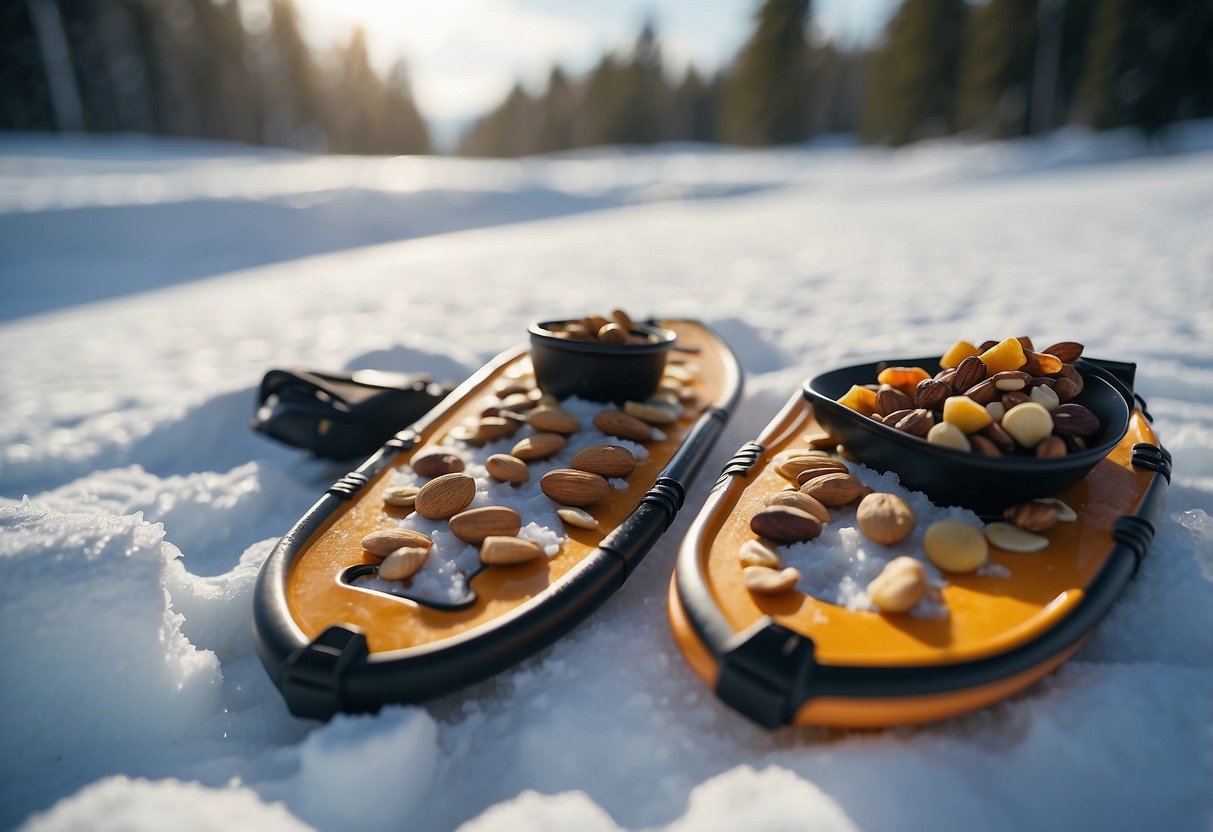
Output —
(950, 477)
(599, 372)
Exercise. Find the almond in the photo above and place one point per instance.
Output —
(577, 517)
(507, 468)
(1014, 539)
(553, 420)
(890, 399)
(820, 440)
(785, 524)
(762, 580)
(1033, 516)
(446, 496)
(401, 496)
(605, 460)
(931, 394)
(972, 371)
(755, 553)
(652, 412)
(1074, 420)
(403, 563)
(474, 525)
(916, 423)
(506, 551)
(1051, 447)
(899, 586)
(574, 488)
(492, 428)
(538, 446)
(833, 489)
(383, 542)
(793, 467)
(885, 518)
(434, 462)
(798, 499)
(1067, 351)
(617, 423)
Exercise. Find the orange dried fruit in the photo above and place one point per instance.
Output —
(904, 379)
(956, 354)
(1005, 355)
(859, 399)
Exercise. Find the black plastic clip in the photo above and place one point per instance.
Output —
(349, 485)
(667, 494)
(764, 672)
(311, 680)
(1135, 533)
(1153, 458)
(741, 463)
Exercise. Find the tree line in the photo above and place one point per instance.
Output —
(998, 68)
(202, 68)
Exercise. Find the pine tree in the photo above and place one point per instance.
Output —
(915, 72)
(765, 93)
(998, 67)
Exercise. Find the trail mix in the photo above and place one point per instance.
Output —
(517, 408)
(821, 487)
(994, 399)
(617, 328)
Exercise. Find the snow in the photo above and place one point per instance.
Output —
(147, 286)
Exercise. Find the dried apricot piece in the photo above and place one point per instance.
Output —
(956, 354)
(965, 414)
(904, 379)
(1005, 355)
(859, 399)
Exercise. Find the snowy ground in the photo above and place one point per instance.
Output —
(146, 288)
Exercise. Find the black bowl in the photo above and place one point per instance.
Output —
(599, 372)
(951, 477)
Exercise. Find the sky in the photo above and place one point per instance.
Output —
(463, 55)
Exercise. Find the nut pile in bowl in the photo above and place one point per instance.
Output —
(999, 398)
(616, 329)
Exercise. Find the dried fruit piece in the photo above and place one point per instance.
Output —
(574, 488)
(860, 399)
(957, 353)
(762, 580)
(785, 524)
(507, 468)
(1028, 424)
(506, 551)
(754, 553)
(1005, 355)
(954, 546)
(885, 518)
(903, 379)
(965, 413)
(383, 542)
(403, 563)
(948, 435)
(1014, 539)
(899, 586)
